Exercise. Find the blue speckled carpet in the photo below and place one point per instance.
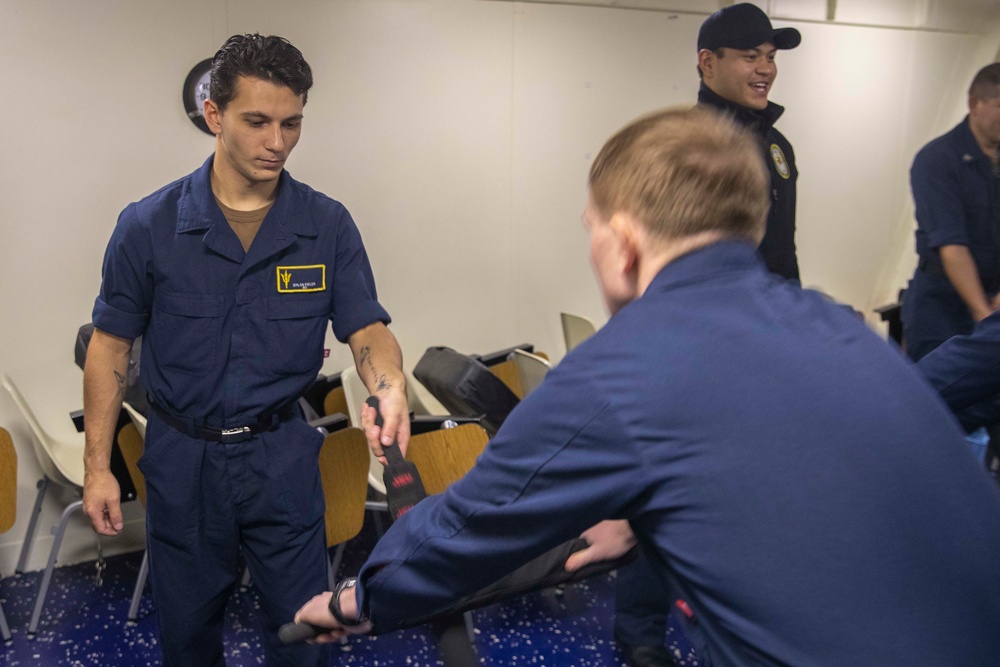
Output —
(85, 625)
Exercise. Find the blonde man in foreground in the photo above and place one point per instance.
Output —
(796, 483)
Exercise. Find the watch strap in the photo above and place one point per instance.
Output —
(335, 611)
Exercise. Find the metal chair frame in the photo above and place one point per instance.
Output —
(62, 464)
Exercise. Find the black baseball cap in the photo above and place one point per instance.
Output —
(743, 26)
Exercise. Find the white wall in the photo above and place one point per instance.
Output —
(459, 134)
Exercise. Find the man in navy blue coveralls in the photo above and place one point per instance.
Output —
(793, 478)
(956, 190)
(230, 275)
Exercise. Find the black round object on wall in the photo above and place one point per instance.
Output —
(196, 91)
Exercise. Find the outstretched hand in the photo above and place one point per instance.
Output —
(605, 541)
(317, 612)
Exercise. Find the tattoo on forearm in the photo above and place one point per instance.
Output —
(120, 378)
(381, 380)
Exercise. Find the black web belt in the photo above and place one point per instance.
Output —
(265, 422)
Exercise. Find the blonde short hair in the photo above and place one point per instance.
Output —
(682, 172)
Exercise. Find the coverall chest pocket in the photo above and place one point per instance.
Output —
(296, 330)
(188, 328)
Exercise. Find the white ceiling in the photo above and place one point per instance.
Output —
(968, 16)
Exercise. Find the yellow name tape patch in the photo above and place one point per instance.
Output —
(302, 278)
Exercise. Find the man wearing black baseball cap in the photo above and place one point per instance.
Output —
(736, 51)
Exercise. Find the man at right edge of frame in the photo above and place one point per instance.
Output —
(955, 181)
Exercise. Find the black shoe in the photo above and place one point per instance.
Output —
(647, 656)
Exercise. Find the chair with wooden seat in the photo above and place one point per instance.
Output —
(130, 443)
(576, 329)
(465, 386)
(131, 439)
(8, 502)
(508, 374)
(335, 401)
(444, 456)
(62, 464)
(343, 467)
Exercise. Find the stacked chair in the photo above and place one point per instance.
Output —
(62, 465)
(576, 329)
(343, 463)
(465, 386)
(531, 370)
(8, 502)
(130, 442)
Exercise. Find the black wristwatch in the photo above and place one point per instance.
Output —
(344, 584)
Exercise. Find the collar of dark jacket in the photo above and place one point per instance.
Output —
(758, 120)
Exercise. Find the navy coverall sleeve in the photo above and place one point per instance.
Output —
(123, 305)
(355, 301)
(937, 197)
(561, 463)
(965, 371)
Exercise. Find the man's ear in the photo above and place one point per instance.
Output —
(628, 240)
(706, 62)
(213, 117)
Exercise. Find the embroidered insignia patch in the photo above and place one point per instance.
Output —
(780, 163)
(302, 278)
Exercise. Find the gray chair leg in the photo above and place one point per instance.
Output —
(338, 557)
(47, 577)
(331, 574)
(29, 538)
(140, 586)
(4, 630)
(377, 507)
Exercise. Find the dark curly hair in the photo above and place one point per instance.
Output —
(269, 58)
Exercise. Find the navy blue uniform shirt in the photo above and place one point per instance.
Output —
(796, 481)
(228, 335)
(965, 371)
(957, 200)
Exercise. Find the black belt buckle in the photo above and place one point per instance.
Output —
(228, 436)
